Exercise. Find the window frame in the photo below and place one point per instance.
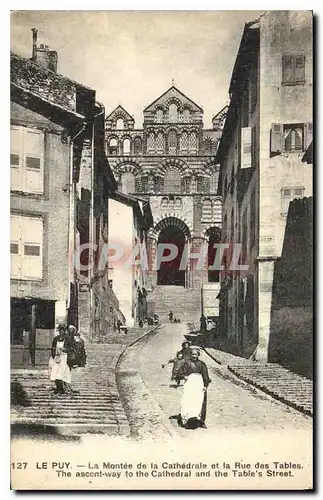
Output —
(290, 197)
(293, 59)
(291, 127)
(23, 242)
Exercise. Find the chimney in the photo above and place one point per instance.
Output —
(42, 55)
(34, 43)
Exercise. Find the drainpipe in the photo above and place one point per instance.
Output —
(91, 228)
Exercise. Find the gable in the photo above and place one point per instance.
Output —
(173, 95)
(120, 112)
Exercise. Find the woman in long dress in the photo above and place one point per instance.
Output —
(194, 397)
(61, 360)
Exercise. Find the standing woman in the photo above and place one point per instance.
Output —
(80, 354)
(194, 397)
(60, 361)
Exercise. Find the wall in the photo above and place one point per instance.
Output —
(53, 206)
(121, 231)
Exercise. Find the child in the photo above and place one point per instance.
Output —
(178, 372)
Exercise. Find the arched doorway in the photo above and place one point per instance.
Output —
(172, 230)
(214, 236)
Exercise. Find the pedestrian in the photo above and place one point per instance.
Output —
(80, 353)
(203, 324)
(194, 397)
(186, 350)
(178, 371)
(62, 359)
(170, 316)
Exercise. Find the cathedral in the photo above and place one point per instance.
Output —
(170, 161)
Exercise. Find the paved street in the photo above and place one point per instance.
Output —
(230, 405)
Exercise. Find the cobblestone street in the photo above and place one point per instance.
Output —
(232, 404)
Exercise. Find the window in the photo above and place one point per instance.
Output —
(186, 115)
(217, 211)
(113, 146)
(120, 124)
(293, 70)
(151, 142)
(126, 146)
(178, 203)
(172, 112)
(128, 183)
(207, 211)
(27, 160)
(172, 181)
(160, 143)
(137, 144)
(293, 137)
(289, 194)
(246, 147)
(159, 116)
(187, 185)
(164, 203)
(214, 182)
(193, 142)
(183, 143)
(172, 142)
(26, 245)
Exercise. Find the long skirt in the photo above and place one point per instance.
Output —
(192, 398)
(60, 371)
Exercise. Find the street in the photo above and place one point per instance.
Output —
(230, 405)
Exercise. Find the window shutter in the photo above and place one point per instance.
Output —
(32, 243)
(299, 69)
(34, 159)
(287, 69)
(276, 138)
(15, 247)
(246, 147)
(16, 159)
(308, 134)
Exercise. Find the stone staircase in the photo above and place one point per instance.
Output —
(185, 303)
(95, 407)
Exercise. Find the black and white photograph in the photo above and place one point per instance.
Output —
(161, 250)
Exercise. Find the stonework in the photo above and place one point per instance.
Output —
(170, 162)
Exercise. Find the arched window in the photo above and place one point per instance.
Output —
(183, 143)
(159, 115)
(172, 142)
(178, 203)
(160, 143)
(126, 146)
(128, 183)
(214, 182)
(113, 146)
(137, 145)
(151, 142)
(172, 113)
(144, 184)
(217, 211)
(164, 203)
(120, 124)
(193, 142)
(186, 115)
(207, 211)
(172, 181)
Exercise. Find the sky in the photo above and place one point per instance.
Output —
(131, 57)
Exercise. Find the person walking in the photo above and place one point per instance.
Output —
(194, 397)
(62, 359)
(178, 370)
(80, 353)
(170, 316)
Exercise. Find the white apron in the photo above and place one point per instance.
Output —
(60, 371)
(192, 397)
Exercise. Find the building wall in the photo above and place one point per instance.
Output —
(122, 232)
(53, 207)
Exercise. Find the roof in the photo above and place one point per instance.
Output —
(174, 90)
(123, 111)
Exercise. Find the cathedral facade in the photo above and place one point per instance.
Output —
(170, 161)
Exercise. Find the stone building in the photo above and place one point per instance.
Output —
(170, 161)
(60, 185)
(267, 130)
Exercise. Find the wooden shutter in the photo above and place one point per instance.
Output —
(15, 247)
(276, 138)
(32, 243)
(299, 69)
(287, 69)
(308, 134)
(34, 161)
(246, 147)
(16, 158)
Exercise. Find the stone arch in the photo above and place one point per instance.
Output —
(171, 219)
(129, 165)
(173, 163)
(210, 167)
(211, 231)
